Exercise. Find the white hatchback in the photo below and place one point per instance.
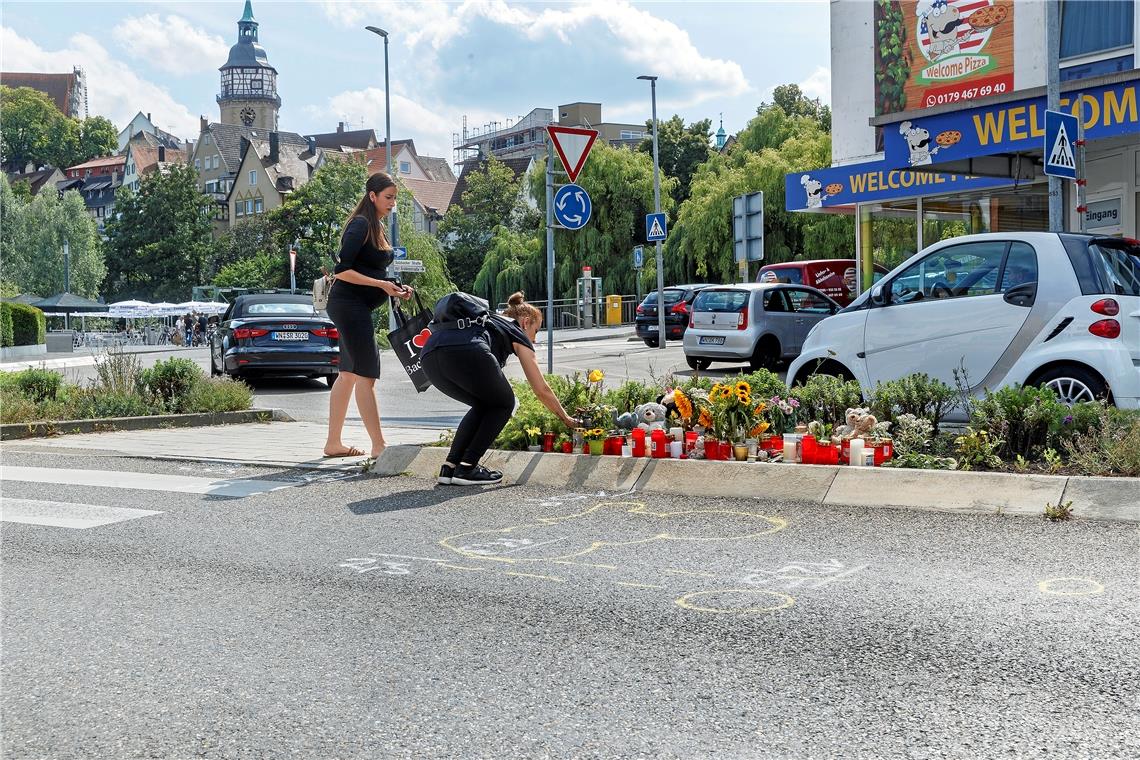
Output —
(1025, 308)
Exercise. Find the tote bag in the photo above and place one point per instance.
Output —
(408, 338)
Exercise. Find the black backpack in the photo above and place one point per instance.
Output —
(459, 310)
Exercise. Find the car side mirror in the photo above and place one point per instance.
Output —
(879, 296)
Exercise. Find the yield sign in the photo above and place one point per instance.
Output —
(572, 145)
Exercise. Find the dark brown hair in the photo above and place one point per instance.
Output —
(377, 183)
(517, 308)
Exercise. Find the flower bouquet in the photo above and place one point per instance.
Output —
(596, 439)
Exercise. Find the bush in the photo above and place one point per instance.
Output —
(917, 394)
(764, 383)
(530, 413)
(827, 398)
(217, 394)
(14, 407)
(6, 324)
(38, 385)
(1112, 447)
(630, 394)
(29, 326)
(1023, 418)
(169, 382)
(117, 371)
(118, 404)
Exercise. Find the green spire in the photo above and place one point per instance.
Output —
(248, 15)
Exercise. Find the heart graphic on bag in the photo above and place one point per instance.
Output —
(419, 340)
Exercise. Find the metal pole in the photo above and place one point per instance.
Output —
(657, 210)
(66, 266)
(393, 231)
(920, 237)
(1079, 150)
(549, 256)
(1053, 100)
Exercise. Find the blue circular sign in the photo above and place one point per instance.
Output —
(572, 207)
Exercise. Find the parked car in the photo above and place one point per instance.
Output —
(1022, 308)
(275, 334)
(835, 277)
(759, 323)
(678, 299)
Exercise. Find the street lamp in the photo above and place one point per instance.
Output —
(657, 210)
(393, 230)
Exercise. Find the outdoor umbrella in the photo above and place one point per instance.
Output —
(128, 308)
(67, 304)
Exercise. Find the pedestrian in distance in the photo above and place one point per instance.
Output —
(466, 363)
(361, 286)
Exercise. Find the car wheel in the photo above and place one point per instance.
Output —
(1073, 384)
(698, 364)
(766, 355)
(826, 367)
(651, 342)
(214, 371)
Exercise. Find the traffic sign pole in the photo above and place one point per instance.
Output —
(1053, 102)
(657, 210)
(550, 257)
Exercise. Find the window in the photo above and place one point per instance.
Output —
(278, 308)
(721, 300)
(253, 178)
(775, 300)
(954, 272)
(405, 167)
(258, 206)
(786, 274)
(1020, 267)
(197, 164)
(805, 301)
(249, 206)
(206, 138)
(629, 134)
(239, 208)
(1094, 26)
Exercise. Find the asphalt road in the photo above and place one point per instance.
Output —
(365, 617)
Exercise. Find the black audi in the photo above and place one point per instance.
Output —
(678, 299)
(263, 334)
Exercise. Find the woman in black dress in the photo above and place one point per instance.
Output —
(362, 284)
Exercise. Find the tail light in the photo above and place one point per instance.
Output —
(680, 308)
(326, 332)
(742, 319)
(242, 333)
(640, 309)
(1106, 306)
(692, 319)
(1105, 328)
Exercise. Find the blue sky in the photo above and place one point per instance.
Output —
(488, 60)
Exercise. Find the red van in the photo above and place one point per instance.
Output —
(835, 277)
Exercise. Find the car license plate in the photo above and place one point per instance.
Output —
(290, 336)
(651, 328)
(712, 340)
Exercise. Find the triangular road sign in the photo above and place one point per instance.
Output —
(573, 146)
(1062, 153)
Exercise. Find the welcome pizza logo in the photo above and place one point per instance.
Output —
(952, 35)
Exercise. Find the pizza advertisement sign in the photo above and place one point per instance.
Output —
(937, 52)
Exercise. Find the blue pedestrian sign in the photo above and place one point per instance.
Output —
(638, 257)
(654, 227)
(1060, 156)
(572, 207)
(400, 253)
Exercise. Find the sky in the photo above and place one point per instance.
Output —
(488, 60)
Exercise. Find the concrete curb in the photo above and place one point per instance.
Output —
(1116, 499)
(20, 431)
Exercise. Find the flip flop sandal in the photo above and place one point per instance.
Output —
(351, 451)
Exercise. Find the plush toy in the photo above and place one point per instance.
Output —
(650, 416)
(666, 400)
(626, 421)
(862, 424)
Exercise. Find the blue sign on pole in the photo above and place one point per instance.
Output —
(638, 257)
(1060, 131)
(400, 253)
(654, 227)
(572, 207)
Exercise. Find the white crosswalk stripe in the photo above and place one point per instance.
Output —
(144, 481)
(61, 514)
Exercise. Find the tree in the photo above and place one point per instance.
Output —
(31, 243)
(262, 270)
(33, 130)
(315, 214)
(247, 239)
(680, 150)
(97, 137)
(159, 241)
(792, 101)
(491, 199)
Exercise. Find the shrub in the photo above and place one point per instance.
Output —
(118, 404)
(117, 371)
(169, 382)
(38, 385)
(912, 435)
(1112, 447)
(530, 413)
(217, 394)
(1024, 418)
(764, 383)
(827, 398)
(917, 394)
(630, 394)
(28, 325)
(14, 407)
(977, 451)
(5, 325)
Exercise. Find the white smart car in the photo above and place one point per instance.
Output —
(1033, 308)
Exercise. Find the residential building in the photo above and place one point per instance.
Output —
(97, 167)
(38, 180)
(145, 154)
(269, 169)
(142, 123)
(346, 140)
(519, 166)
(248, 95)
(428, 179)
(67, 91)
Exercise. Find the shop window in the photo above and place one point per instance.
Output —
(1093, 26)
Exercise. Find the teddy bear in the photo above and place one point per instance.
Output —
(861, 424)
(625, 421)
(650, 416)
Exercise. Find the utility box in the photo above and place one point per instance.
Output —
(613, 310)
(60, 342)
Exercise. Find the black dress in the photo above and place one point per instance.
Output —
(351, 305)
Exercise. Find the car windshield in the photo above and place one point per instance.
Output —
(671, 296)
(1119, 265)
(278, 309)
(720, 300)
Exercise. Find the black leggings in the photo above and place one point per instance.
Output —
(471, 374)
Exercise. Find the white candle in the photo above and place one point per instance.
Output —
(627, 450)
(675, 449)
(855, 453)
(789, 450)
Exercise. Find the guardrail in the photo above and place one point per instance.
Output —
(570, 313)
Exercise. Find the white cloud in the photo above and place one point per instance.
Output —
(114, 89)
(170, 44)
(430, 129)
(818, 84)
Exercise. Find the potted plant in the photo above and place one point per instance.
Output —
(596, 439)
(564, 444)
(533, 435)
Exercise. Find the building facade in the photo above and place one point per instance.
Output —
(67, 91)
(248, 95)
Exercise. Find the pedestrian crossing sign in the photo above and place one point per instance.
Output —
(654, 227)
(1060, 131)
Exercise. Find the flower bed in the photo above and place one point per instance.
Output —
(756, 417)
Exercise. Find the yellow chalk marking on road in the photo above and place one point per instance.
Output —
(1057, 587)
(461, 567)
(636, 585)
(532, 575)
(689, 572)
(777, 601)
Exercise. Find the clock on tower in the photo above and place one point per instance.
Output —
(247, 116)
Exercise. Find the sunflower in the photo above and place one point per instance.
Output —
(726, 392)
(760, 408)
(743, 387)
(705, 420)
(744, 397)
(596, 376)
(759, 430)
(684, 406)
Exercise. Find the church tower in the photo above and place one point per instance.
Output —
(249, 84)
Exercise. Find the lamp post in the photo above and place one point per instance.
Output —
(657, 210)
(393, 230)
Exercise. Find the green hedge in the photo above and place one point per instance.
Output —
(21, 325)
